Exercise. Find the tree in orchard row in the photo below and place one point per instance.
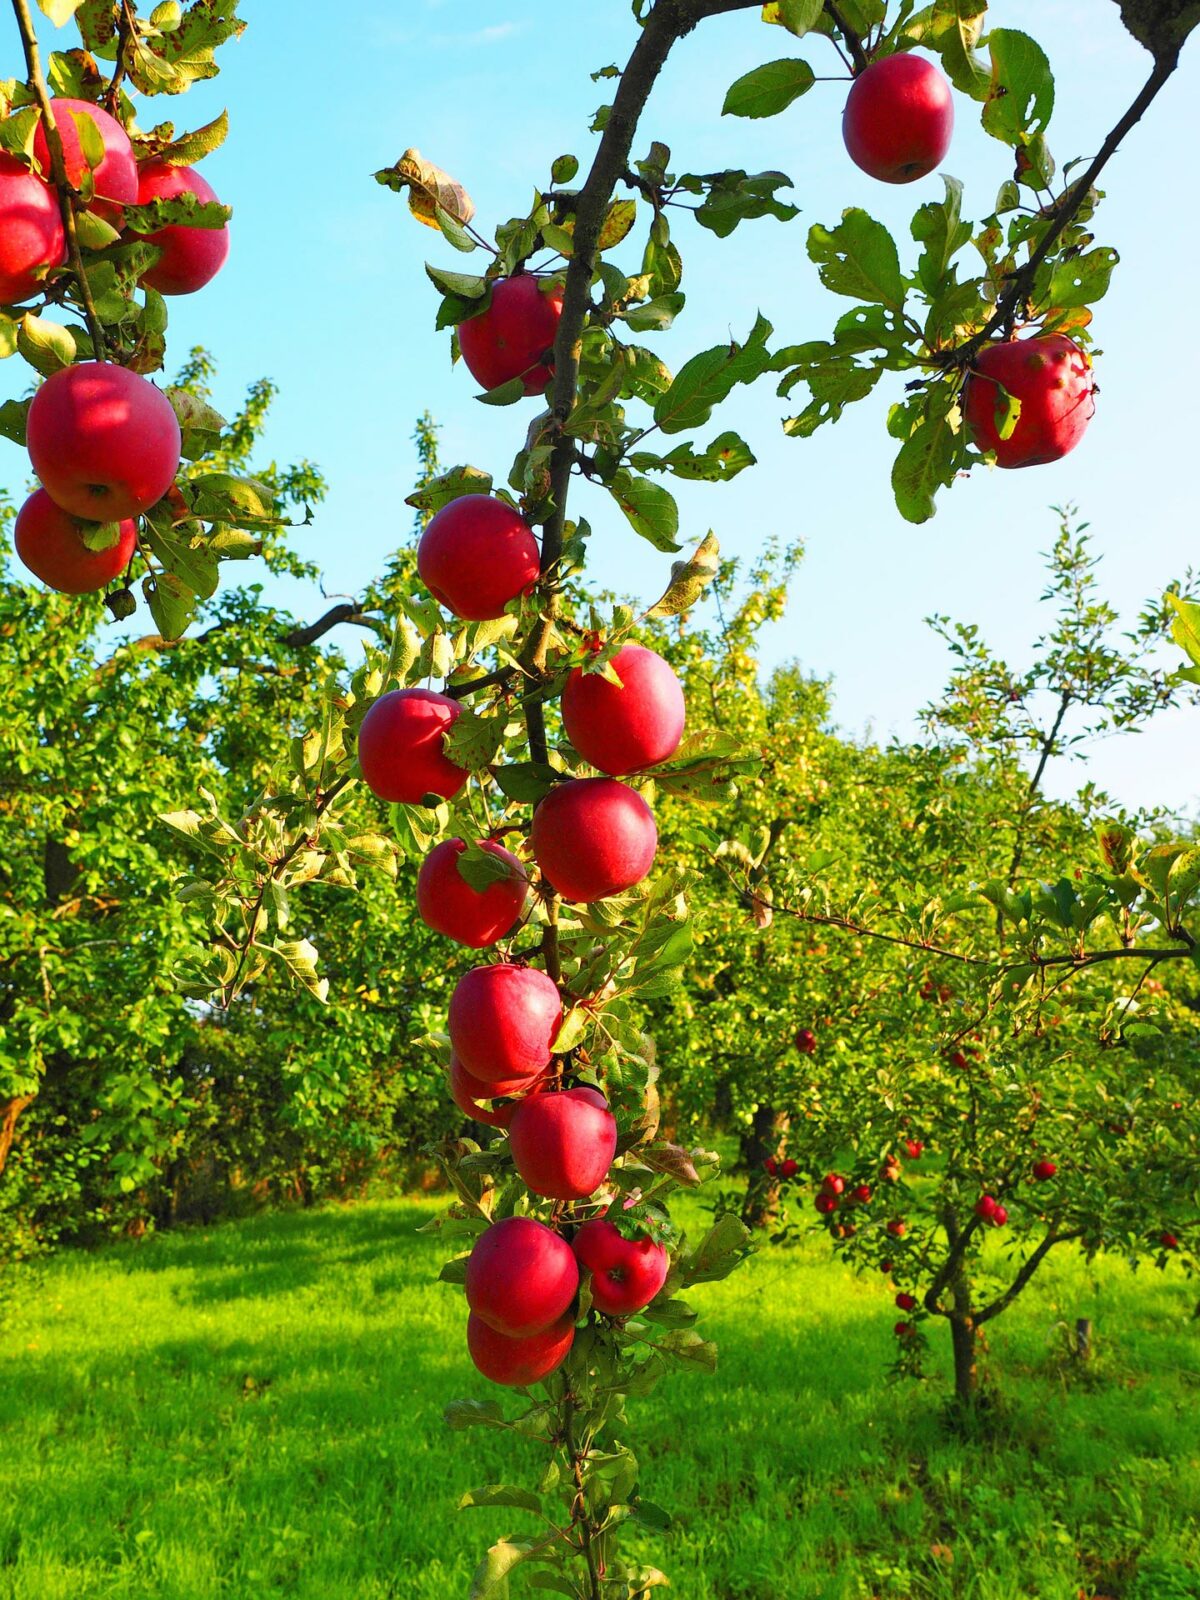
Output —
(99, 220)
(614, 947)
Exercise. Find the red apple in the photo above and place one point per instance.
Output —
(898, 119)
(826, 1204)
(503, 1020)
(915, 1149)
(400, 746)
(897, 1228)
(521, 1277)
(563, 1144)
(104, 442)
(593, 837)
(886, 1266)
(833, 1183)
(906, 1302)
(1044, 1170)
(626, 1273)
(468, 1093)
(621, 729)
(903, 1330)
(788, 1168)
(191, 257)
(863, 1193)
(805, 1041)
(1051, 377)
(50, 544)
(476, 555)
(115, 178)
(31, 232)
(1168, 1241)
(519, 1362)
(510, 338)
(771, 1166)
(985, 1207)
(474, 917)
(999, 1216)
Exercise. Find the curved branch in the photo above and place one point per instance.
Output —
(1030, 1266)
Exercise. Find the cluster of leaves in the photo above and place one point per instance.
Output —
(98, 308)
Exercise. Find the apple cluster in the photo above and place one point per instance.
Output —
(103, 441)
(589, 838)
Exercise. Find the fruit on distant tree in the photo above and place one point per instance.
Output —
(805, 1041)
(898, 119)
(788, 1168)
(906, 1302)
(621, 728)
(1051, 377)
(833, 1183)
(400, 746)
(1044, 1170)
(510, 338)
(897, 1227)
(985, 1207)
(448, 904)
(104, 441)
(1168, 1241)
(115, 179)
(32, 241)
(914, 1148)
(521, 1277)
(50, 543)
(903, 1330)
(862, 1193)
(826, 1204)
(999, 1216)
(626, 1273)
(476, 555)
(770, 1166)
(593, 837)
(191, 257)
(563, 1143)
(503, 1020)
(519, 1362)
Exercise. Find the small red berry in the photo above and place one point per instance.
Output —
(1043, 1170)
(906, 1302)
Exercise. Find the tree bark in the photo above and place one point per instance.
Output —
(963, 1338)
(8, 1124)
(759, 1141)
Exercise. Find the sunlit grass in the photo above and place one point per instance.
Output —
(255, 1409)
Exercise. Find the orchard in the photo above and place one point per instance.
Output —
(579, 912)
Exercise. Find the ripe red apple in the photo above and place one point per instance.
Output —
(521, 1277)
(104, 442)
(903, 1330)
(468, 1094)
(788, 1168)
(115, 178)
(805, 1041)
(563, 1144)
(476, 555)
(626, 1273)
(914, 1148)
(833, 1183)
(50, 544)
(985, 1207)
(191, 257)
(448, 904)
(400, 746)
(1043, 1170)
(959, 1060)
(1051, 377)
(770, 1166)
(999, 1216)
(897, 1228)
(863, 1193)
(31, 231)
(503, 1020)
(1168, 1241)
(519, 1362)
(593, 837)
(898, 119)
(886, 1266)
(825, 1204)
(621, 729)
(906, 1302)
(509, 339)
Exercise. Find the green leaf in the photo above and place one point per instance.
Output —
(574, 1025)
(13, 414)
(929, 458)
(689, 579)
(737, 196)
(723, 459)
(200, 425)
(465, 285)
(452, 485)
(563, 169)
(473, 741)
(940, 228)
(501, 1494)
(480, 868)
(618, 221)
(689, 1348)
(649, 508)
(504, 394)
(460, 1414)
(797, 16)
(1185, 628)
(1082, 280)
(9, 334)
(525, 781)
(299, 956)
(190, 148)
(769, 89)
(1021, 93)
(858, 258)
(709, 377)
(656, 314)
(719, 1252)
(491, 1576)
(60, 12)
(172, 604)
(222, 497)
(47, 346)
(93, 232)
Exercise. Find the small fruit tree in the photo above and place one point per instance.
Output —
(573, 1273)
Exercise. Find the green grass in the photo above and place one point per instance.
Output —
(255, 1410)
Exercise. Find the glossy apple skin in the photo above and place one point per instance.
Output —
(469, 1094)
(593, 837)
(447, 903)
(191, 257)
(521, 1277)
(104, 442)
(626, 1273)
(639, 724)
(49, 542)
(1051, 377)
(898, 119)
(519, 1362)
(476, 555)
(31, 231)
(503, 1020)
(400, 746)
(509, 339)
(563, 1144)
(115, 178)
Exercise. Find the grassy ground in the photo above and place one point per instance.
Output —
(254, 1410)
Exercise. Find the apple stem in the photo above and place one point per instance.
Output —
(58, 170)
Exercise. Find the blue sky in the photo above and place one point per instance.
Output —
(325, 293)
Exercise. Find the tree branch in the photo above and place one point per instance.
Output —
(348, 611)
(58, 171)
(854, 44)
(1027, 1271)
